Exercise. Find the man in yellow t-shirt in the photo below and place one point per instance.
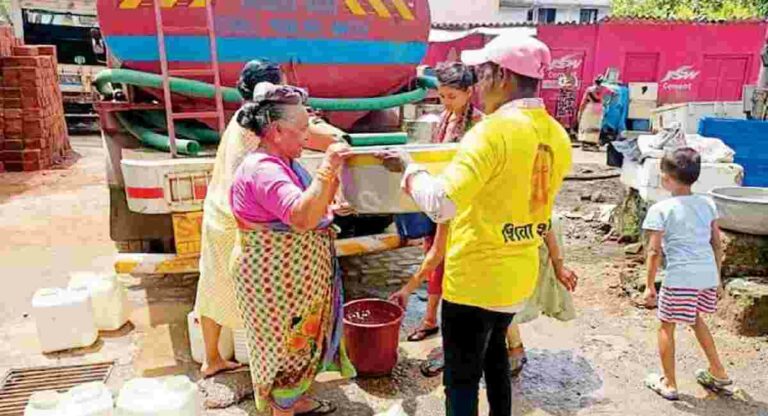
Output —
(498, 194)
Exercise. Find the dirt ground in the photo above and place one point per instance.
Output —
(56, 222)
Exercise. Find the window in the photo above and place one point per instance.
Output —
(529, 18)
(588, 16)
(547, 15)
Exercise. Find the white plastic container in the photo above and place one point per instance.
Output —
(172, 396)
(197, 346)
(64, 319)
(241, 347)
(645, 91)
(689, 114)
(89, 399)
(45, 403)
(646, 178)
(108, 297)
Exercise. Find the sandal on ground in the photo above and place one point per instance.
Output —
(516, 364)
(422, 333)
(434, 365)
(707, 380)
(323, 407)
(656, 383)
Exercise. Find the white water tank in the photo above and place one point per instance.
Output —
(64, 319)
(89, 399)
(172, 396)
(108, 297)
(45, 403)
(197, 346)
(241, 347)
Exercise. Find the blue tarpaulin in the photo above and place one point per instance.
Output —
(616, 109)
(749, 139)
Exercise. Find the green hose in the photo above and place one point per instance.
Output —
(189, 131)
(427, 82)
(158, 141)
(377, 139)
(198, 89)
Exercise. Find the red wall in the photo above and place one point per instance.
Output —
(690, 61)
(574, 47)
(695, 62)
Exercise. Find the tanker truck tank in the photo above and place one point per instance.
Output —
(333, 48)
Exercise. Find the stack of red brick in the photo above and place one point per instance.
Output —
(34, 132)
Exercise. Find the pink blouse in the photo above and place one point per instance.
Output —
(266, 188)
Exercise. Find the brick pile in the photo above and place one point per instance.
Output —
(34, 132)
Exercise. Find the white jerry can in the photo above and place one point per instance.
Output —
(172, 396)
(108, 297)
(64, 319)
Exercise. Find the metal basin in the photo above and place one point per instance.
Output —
(742, 209)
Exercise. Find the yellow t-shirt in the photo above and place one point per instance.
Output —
(503, 180)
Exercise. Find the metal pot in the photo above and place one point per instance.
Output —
(742, 209)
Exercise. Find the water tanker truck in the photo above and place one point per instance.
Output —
(169, 93)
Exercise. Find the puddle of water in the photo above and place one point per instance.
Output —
(559, 382)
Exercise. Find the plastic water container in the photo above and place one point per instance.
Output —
(64, 319)
(197, 346)
(172, 396)
(108, 297)
(242, 355)
(89, 399)
(45, 403)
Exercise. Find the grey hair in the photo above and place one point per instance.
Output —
(270, 104)
(258, 117)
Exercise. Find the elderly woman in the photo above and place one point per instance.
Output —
(288, 288)
(215, 303)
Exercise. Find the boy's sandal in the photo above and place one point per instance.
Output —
(656, 383)
(707, 380)
(422, 334)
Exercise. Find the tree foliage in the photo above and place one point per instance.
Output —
(691, 9)
(5, 8)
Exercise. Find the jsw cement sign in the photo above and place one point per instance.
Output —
(680, 79)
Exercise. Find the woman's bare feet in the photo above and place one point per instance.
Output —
(218, 366)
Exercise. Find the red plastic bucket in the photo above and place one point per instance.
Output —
(372, 333)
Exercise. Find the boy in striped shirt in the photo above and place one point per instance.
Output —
(685, 227)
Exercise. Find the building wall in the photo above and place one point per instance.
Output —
(690, 61)
(490, 11)
(688, 56)
(449, 11)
